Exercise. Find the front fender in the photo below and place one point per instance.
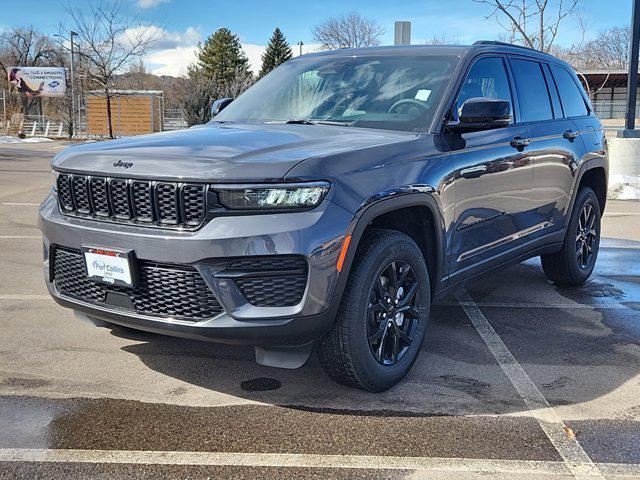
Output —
(388, 201)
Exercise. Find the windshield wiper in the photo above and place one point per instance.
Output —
(299, 121)
(303, 121)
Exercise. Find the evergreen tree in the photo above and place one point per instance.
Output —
(221, 57)
(278, 51)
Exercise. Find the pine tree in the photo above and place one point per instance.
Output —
(221, 57)
(278, 51)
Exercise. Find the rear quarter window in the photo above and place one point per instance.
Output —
(572, 100)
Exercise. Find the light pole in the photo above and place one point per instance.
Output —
(632, 82)
(73, 110)
(71, 84)
(300, 44)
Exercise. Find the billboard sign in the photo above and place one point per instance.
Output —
(38, 81)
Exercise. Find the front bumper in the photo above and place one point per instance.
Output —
(317, 235)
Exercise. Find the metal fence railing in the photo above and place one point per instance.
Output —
(611, 109)
(173, 119)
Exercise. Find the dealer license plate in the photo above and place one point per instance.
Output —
(113, 267)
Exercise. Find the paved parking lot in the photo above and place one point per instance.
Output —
(518, 378)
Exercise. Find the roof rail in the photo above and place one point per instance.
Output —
(505, 44)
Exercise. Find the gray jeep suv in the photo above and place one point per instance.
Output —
(327, 206)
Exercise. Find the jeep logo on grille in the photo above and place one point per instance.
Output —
(122, 164)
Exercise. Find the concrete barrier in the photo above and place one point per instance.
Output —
(624, 156)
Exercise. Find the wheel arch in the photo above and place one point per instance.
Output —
(594, 174)
(380, 212)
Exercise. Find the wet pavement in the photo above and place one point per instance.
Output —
(78, 401)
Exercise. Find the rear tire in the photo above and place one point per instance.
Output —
(380, 326)
(574, 263)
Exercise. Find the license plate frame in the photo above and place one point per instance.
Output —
(122, 260)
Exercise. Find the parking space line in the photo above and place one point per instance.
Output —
(25, 297)
(283, 460)
(576, 459)
(301, 460)
(559, 306)
(7, 237)
(19, 204)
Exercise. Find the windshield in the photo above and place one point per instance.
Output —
(388, 92)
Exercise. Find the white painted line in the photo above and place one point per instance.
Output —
(25, 297)
(20, 204)
(515, 467)
(6, 237)
(576, 459)
(622, 214)
(560, 306)
(292, 460)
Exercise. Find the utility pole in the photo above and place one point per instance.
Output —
(632, 81)
(300, 44)
(73, 109)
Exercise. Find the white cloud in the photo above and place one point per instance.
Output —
(171, 61)
(175, 51)
(254, 54)
(145, 4)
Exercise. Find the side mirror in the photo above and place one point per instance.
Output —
(481, 113)
(218, 105)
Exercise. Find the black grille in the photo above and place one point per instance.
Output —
(273, 281)
(142, 200)
(146, 202)
(99, 196)
(167, 201)
(274, 262)
(193, 204)
(64, 192)
(80, 194)
(273, 291)
(163, 290)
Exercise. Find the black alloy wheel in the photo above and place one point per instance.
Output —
(393, 313)
(586, 236)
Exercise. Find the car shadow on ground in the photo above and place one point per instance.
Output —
(577, 344)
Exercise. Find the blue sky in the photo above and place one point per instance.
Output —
(187, 21)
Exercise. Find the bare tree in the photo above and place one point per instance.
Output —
(608, 50)
(349, 30)
(534, 23)
(443, 39)
(110, 43)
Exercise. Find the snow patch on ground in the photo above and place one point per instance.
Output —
(624, 187)
(9, 139)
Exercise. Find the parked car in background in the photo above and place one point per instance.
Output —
(332, 202)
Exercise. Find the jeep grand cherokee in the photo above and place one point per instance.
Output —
(327, 206)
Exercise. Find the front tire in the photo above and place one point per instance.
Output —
(383, 315)
(574, 263)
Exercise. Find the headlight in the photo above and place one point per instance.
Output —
(272, 197)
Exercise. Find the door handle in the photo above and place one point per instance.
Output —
(473, 172)
(519, 143)
(570, 135)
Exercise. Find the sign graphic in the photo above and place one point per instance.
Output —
(38, 81)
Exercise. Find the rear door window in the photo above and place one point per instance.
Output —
(533, 95)
(570, 96)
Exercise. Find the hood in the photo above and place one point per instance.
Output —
(220, 153)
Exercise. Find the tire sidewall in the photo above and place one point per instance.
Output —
(585, 196)
(396, 248)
